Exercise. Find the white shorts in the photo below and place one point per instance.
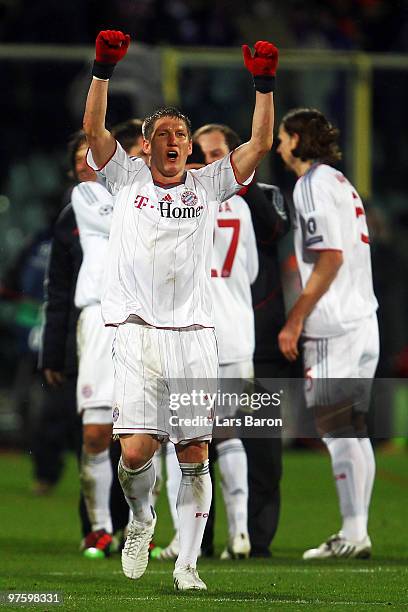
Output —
(95, 373)
(153, 369)
(233, 381)
(341, 367)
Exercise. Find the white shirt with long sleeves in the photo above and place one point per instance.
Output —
(330, 216)
(93, 208)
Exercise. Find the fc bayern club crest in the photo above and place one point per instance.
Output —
(86, 391)
(115, 413)
(189, 198)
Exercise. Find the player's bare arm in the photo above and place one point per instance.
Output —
(111, 46)
(324, 273)
(262, 65)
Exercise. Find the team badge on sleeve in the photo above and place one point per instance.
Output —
(86, 391)
(189, 198)
(115, 413)
(311, 226)
(310, 229)
(106, 209)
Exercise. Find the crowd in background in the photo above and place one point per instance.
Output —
(368, 25)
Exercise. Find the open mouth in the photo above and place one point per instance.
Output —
(173, 155)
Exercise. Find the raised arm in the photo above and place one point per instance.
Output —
(111, 46)
(262, 65)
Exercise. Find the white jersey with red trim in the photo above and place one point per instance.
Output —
(329, 215)
(234, 269)
(93, 208)
(160, 245)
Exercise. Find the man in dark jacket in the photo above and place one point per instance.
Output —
(271, 222)
(59, 422)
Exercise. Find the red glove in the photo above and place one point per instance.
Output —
(262, 65)
(111, 46)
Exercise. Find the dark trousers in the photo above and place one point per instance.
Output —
(58, 429)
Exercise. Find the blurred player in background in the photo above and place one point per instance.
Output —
(234, 269)
(158, 295)
(270, 218)
(58, 355)
(270, 222)
(93, 206)
(336, 317)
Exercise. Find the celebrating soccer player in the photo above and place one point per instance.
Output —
(158, 296)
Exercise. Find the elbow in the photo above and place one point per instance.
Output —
(266, 138)
(262, 142)
(88, 129)
(265, 145)
(262, 148)
(338, 260)
(92, 132)
(336, 263)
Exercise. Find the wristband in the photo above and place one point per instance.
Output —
(102, 71)
(264, 83)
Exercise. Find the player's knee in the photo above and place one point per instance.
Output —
(196, 452)
(135, 457)
(96, 438)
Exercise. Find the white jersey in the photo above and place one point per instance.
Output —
(93, 208)
(330, 216)
(160, 245)
(234, 269)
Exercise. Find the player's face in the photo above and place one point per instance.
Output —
(213, 146)
(83, 171)
(286, 145)
(169, 147)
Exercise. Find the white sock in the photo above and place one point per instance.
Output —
(157, 464)
(193, 506)
(137, 486)
(172, 482)
(96, 480)
(366, 447)
(349, 469)
(232, 461)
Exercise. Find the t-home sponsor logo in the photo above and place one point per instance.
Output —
(170, 211)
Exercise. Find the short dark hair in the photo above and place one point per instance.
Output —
(75, 142)
(167, 111)
(317, 136)
(231, 138)
(128, 132)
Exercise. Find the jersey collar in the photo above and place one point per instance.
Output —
(170, 185)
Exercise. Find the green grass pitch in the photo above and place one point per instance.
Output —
(39, 540)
